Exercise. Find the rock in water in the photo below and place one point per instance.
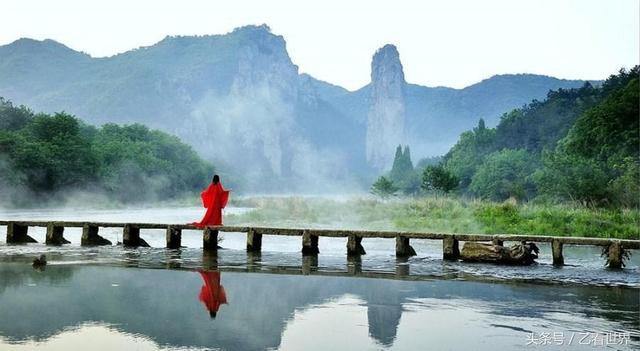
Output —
(386, 117)
(523, 253)
(40, 261)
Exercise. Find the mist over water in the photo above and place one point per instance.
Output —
(375, 302)
(583, 263)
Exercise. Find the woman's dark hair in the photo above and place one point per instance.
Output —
(216, 179)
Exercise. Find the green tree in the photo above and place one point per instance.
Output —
(45, 154)
(611, 129)
(402, 165)
(402, 172)
(133, 157)
(598, 161)
(504, 174)
(595, 127)
(468, 153)
(383, 188)
(13, 118)
(572, 177)
(52, 153)
(625, 189)
(437, 178)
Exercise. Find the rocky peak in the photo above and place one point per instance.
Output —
(252, 29)
(263, 60)
(386, 69)
(386, 117)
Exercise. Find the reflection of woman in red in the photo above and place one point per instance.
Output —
(212, 293)
(214, 199)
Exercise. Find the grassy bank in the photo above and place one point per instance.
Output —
(448, 215)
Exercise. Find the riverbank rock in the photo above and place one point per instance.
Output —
(522, 253)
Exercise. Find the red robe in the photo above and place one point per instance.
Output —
(214, 199)
(212, 293)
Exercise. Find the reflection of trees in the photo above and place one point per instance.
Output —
(10, 277)
(21, 291)
(164, 305)
(529, 300)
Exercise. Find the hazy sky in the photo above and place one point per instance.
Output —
(450, 43)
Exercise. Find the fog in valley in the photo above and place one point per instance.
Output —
(243, 106)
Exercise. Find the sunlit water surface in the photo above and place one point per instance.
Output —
(147, 298)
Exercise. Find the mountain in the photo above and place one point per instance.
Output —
(240, 101)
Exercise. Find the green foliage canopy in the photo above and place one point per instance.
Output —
(42, 155)
(402, 172)
(383, 187)
(437, 178)
(598, 162)
(504, 174)
(469, 152)
(578, 145)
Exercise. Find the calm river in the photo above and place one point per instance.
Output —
(113, 298)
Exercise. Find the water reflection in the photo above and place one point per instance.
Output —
(212, 293)
(309, 264)
(270, 310)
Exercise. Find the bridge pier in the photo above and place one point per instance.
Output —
(354, 264)
(309, 244)
(450, 248)
(615, 253)
(174, 237)
(131, 236)
(254, 241)
(54, 235)
(309, 264)
(254, 261)
(402, 266)
(556, 252)
(403, 248)
(90, 236)
(354, 246)
(209, 260)
(210, 239)
(17, 234)
(173, 259)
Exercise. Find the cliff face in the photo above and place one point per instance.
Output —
(386, 116)
(271, 125)
(252, 122)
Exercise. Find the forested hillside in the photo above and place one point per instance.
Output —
(44, 157)
(578, 144)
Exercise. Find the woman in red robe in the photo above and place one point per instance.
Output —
(214, 199)
(212, 293)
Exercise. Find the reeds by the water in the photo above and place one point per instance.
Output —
(442, 214)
